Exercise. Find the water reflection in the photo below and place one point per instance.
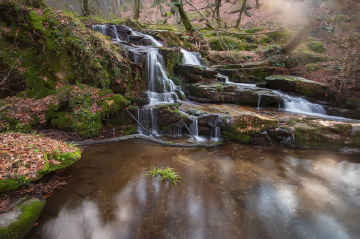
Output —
(235, 191)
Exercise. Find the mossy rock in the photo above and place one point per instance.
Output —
(65, 159)
(243, 128)
(299, 85)
(232, 43)
(89, 129)
(312, 134)
(63, 121)
(114, 104)
(17, 222)
(316, 46)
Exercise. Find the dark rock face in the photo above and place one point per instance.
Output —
(140, 40)
(194, 74)
(299, 85)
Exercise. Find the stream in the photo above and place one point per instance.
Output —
(231, 191)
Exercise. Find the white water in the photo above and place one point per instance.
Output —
(194, 129)
(100, 28)
(161, 89)
(215, 136)
(190, 58)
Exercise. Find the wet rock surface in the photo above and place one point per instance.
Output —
(299, 85)
(194, 74)
(224, 93)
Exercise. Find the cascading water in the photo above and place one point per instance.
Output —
(194, 128)
(190, 58)
(147, 117)
(100, 28)
(160, 88)
(215, 135)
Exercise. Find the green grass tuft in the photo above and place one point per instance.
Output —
(165, 174)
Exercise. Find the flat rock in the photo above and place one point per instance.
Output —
(299, 85)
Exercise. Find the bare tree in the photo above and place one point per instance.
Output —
(86, 8)
(243, 8)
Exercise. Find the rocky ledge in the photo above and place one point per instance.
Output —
(298, 85)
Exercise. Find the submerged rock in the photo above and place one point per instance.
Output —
(299, 85)
(20, 217)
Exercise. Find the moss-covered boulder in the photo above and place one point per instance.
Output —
(245, 127)
(113, 104)
(29, 157)
(299, 85)
(225, 93)
(315, 133)
(170, 114)
(172, 56)
(231, 43)
(194, 74)
(316, 46)
(20, 217)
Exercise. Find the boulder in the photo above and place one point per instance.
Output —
(224, 93)
(299, 85)
(194, 74)
(140, 40)
(20, 217)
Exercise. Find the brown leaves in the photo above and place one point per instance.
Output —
(24, 109)
(23, 154)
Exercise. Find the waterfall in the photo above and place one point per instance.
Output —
(100, 28)
(259, 101)
(190, 58)
(194, 128)
(215, 135)
(302, 106)
(160, 88)
(175, 131)
(147, 117)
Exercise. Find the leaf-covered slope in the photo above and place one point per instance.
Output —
(41, 48)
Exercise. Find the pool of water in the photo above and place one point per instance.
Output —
(232, 191)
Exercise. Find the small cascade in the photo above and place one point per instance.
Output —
(117, 39)
(259, 101)
(175, 131)
(302, 106)
(194, 128)
(147, 117)
(160, 88)
(191, 58)
(215, 135)
(100, 28)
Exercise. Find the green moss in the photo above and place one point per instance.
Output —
(30, 212)
(316, 46)
(113, 105)
(66, 160)
(89, 129)
(63, 121)
(238, 137)
(251, 46)
(232, 43)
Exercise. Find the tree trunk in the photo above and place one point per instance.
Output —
(184, 19)
(217, 11)
(86, 7)
(257, 4)
(137, 5)
(243, 7)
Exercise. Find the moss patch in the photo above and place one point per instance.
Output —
(30, 211)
